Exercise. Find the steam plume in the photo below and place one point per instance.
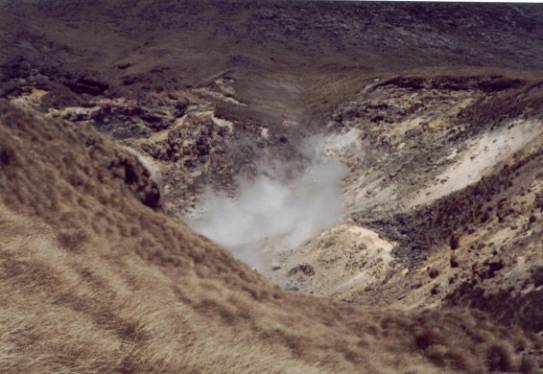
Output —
(271, 214)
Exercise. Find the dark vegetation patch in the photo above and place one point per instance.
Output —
(507, 305)
(487, 84)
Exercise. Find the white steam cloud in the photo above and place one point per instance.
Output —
(270, 214)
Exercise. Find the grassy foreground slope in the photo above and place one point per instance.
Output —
(95, 281)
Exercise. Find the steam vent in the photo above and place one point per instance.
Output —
(270, 186)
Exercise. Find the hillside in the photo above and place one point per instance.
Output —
(270, 186)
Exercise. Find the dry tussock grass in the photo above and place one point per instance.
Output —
(93, 281)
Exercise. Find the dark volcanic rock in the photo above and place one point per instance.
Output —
(88, 86)
(138, 179)
(305, 269)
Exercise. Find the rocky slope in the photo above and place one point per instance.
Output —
(452, 186)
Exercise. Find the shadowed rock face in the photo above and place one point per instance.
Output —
(432, 113)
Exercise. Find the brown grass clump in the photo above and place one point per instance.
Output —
(94, 287)
(72, 240)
